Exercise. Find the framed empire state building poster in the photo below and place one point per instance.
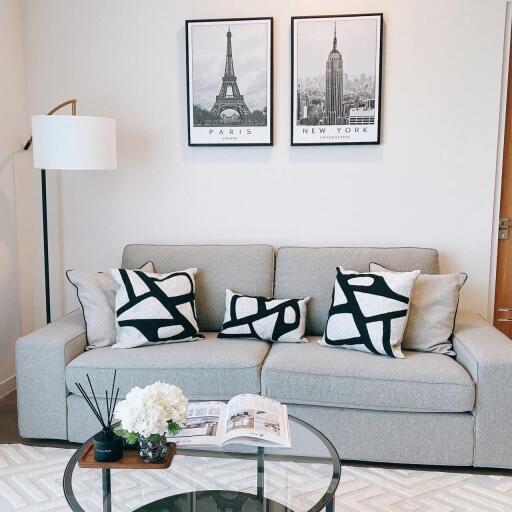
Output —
(336, 79)
(229, 82)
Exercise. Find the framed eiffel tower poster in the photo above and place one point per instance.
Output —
(229, 82)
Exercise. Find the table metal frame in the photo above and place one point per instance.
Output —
(327, 500)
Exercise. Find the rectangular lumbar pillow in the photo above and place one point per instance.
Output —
(369, 311)
(155, 308)
(264, 319)
(434, 303)
(96, 292)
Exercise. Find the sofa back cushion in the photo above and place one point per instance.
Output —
(247, 269)
(303, 271)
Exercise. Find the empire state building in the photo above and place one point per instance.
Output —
(334, 85)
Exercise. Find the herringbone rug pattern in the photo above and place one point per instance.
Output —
(31, 481)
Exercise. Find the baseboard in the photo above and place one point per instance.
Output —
(7, 386)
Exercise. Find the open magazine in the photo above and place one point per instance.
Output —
(245, 419)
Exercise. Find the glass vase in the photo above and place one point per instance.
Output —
(152, 450)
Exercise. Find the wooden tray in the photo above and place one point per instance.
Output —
(129, 460)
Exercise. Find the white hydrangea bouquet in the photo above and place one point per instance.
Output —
(147, 415)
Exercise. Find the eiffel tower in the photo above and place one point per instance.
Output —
(235, 100)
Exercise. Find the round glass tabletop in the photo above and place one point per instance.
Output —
(303, 478)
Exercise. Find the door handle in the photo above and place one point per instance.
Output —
(504, 226)
(504, 319)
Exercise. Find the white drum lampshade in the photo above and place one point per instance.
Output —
(74, 142)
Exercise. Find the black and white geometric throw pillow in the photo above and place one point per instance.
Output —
(369, 311)
(264, 319)
(155, 308)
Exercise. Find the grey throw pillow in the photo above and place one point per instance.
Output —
(96, 292)
(434, 303)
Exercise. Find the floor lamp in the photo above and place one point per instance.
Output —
(69, 143)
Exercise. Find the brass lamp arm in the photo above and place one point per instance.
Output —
(71, 102)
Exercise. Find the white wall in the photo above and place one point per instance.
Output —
(430, 183)
(13, 129)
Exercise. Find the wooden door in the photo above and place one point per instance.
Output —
(503, 298)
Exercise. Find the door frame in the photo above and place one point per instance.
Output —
(507, 73)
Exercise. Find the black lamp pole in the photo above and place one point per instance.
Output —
(45, 248)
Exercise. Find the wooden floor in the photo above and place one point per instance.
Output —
(9, 434)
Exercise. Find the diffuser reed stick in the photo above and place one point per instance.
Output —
(111, 401)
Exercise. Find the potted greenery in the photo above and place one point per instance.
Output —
(147, 415)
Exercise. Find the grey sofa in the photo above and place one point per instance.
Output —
(425, 409)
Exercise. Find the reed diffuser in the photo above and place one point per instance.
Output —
(108, 446)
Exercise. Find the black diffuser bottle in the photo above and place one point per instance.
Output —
(108, 446)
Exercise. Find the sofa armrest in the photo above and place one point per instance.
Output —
(486, 353)
(41, 359)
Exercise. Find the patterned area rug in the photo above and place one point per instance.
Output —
(31, 480)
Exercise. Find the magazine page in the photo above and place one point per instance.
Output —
(253, 419)
(205, 425)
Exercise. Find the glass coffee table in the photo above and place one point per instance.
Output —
(236, 478)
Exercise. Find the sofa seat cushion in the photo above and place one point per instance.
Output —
(209, 369)
(311, 374)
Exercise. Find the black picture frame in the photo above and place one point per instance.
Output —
(269, 140)
(378, 89)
